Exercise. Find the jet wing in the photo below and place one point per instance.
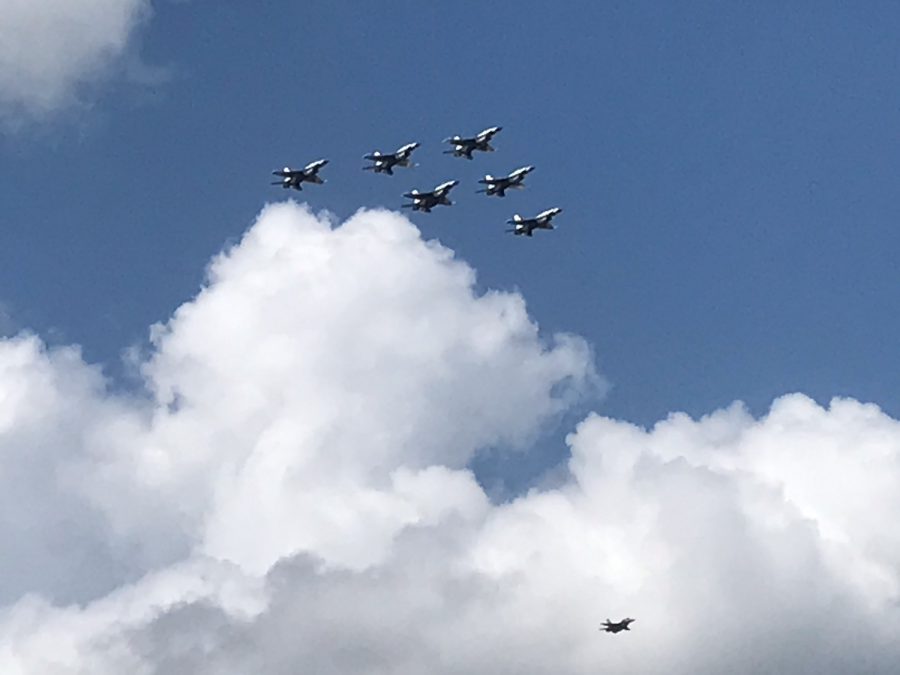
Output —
(441, 190)
(312, 167)
(491, 180)
(548, 214)
(487, 134)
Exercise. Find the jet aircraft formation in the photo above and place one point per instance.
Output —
(461, 146)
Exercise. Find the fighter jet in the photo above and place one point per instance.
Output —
(291, 178)
(425, 201)
(610, 627)
(464, 147)
(499, 186)
(386, 163)
(527, 226)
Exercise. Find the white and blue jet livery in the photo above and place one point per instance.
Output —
(425, 201)
(527, 226)
(385, 163)
(464, 147)
(291, 178)
(499, 186)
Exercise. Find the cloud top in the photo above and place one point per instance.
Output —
(50, 49)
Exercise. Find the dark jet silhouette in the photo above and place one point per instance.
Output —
(610, 627)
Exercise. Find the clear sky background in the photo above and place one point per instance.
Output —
(728, 177)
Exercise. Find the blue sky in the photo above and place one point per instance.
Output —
(728, 177)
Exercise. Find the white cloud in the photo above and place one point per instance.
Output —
(51, 48)
(294, 493)
(307, 400)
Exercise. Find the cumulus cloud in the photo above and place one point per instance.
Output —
(292, 493)
(51, 48)
(326, 388)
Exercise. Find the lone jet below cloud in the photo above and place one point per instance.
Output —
(611, 627)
